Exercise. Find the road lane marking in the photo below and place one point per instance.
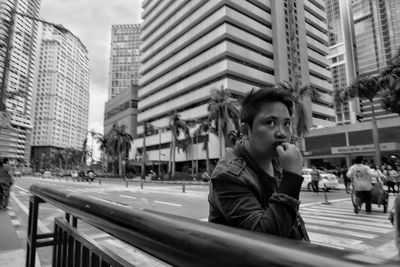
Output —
(342, 242)
(339, 231)
(167, 203)
(127, 196)
(319, 202)
(41, 225)
(21, 188)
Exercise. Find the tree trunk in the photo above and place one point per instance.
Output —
(120, 163)
(143, 170)
(207, 155)
(375, 137)
(173, 157)
(221, 138)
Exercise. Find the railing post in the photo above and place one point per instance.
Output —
(31, 245)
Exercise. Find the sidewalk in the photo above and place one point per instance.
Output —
(12, 253)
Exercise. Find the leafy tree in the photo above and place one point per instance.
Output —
(367, 87)
(120, 142)
(223, 111)
(203, 129)
(390, 85)
(301, 120)
(177, 126)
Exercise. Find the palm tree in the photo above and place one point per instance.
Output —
(301, 119)
(121, 144)
(222, 110)
(203, 129)
(104, 146)
(367, 88)
(177, 125)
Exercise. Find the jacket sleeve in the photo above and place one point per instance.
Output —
(241, 208)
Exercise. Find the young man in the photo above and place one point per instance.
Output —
(361, 175)
(244, 190)
(6, 181)
(315, 178)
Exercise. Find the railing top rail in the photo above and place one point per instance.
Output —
(181, 241)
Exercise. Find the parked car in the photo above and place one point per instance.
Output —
(47, 174)
(328, 180)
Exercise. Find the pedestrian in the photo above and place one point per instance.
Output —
(346, 180)
(360, 175)
(391, 175)
(6, 180)
(315, 178)
(244, 189)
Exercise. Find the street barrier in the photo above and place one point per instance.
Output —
(173, 240)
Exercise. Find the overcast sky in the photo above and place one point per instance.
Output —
(90, 21)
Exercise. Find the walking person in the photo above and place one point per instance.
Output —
(315, 178)
(346, 180)
(391, 175)
(244, 189)
(360, 175)
(6, 181)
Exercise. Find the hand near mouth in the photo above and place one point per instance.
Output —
(290, 157)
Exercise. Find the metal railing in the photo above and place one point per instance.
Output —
(174, 240)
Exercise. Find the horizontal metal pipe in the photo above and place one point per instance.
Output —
(181, 241)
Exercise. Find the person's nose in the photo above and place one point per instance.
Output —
(280, 132)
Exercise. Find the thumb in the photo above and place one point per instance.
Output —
(279, 150)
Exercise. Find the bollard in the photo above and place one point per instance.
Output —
(326, 202)
(99, 181)
(126, 183)
(66, 178)
(183, 188)
(141, 184)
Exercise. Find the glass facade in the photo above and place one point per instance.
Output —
(125, 58)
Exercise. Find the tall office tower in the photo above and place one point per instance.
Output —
(61, 103)
(124, 58)
(377, 28)
(18, 48)
(342, 55)
(190, 47)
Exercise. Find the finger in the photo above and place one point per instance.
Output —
(285, 145)
(280, 150)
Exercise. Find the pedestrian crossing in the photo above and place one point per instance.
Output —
(337, 226)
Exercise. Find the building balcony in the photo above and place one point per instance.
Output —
(319, 71)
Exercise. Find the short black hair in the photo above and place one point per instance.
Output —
(358, 160)
(252, 103)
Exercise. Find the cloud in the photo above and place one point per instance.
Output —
(91, 21)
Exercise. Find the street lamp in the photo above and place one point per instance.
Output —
(8, 46)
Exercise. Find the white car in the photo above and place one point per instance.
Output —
(47, 174)
(328, 180)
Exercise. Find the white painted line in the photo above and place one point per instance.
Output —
(204, 219)
(359, 222)
(350, 225)
(340, 231)
(20, 188)
(338, 241)
(167, 203)
(41, 225)
(127, 196)
(319, 202)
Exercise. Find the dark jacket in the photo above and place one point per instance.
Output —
(243, 195)
(5, 177)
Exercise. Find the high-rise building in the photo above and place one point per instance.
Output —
(377, 28)
(61, 102)
(190, 47)
(18, 48)
(124, 58)
(342, 55)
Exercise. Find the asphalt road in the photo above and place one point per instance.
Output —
(333, 225)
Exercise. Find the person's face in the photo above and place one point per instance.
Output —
(271, 126)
